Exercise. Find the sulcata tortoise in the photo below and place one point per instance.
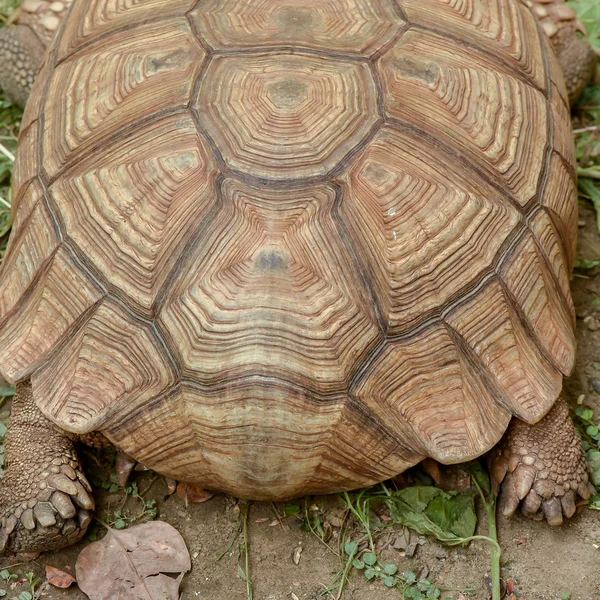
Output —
(279, 248)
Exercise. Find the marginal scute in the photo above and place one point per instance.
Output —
(91, 19)
(548, 241)
(58, 299)
(502, 27)
(529, 281)
(427, 392)
(256, 414)
(111, 360)
(288, 116)
(470, 101)
(563, 140)
(27, 167)
(118, 81)
(426, 227)
(131, 209)
(527, 384)
(350, 26)
(26, 254)
(560, 199)
(272, 291)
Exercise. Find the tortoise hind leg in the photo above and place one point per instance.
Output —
(44, 496)
(542, 467)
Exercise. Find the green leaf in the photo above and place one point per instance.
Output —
(291, 510)
(369, 558)
(120, 524)
(3, 593)
(593, 457)
(480, 475)
(6, 390)
(358, 564)
(434, 593)
(351, 548)
(585, 265)
(389, 582)
(428, 510)
(390, 568)
(565, 596)
(588, 12)
(592, 430)
(25, 596)
(409, 576)
(370, 573)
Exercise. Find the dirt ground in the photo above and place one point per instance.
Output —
(545, 562)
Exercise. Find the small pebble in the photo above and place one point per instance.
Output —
(591, 323)
(595, 384)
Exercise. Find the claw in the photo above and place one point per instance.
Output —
(44, 513)
(125, 466)
(27, 519)
(509, 499)
(531, 503)
(583, 491)
(568, 504)
(544, 487)
(499, 469)
(553, 511)
(69, 527)
(84, 482)
(64, 506)
(3, 540)
(82, 498)
(84, 519)
(11, 523)
(524, 477)
(62, 483)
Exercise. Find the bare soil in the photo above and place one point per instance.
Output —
(546, 563)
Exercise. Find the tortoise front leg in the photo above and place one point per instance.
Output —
(44, 497)
(542, 467)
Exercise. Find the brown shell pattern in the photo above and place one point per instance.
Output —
(275, 248)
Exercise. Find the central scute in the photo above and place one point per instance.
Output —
(290, 118)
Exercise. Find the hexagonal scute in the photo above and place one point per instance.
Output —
(472, 102)
(132, 208)
(272, 291)
(503, 27)
(287, 116)
(350, 26)
(426, 227)
(117, 81)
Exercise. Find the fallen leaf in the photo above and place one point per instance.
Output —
(296, 555)
(520, 541)
(193, 494)
(430, 511)
(130, 564)
(59, 578)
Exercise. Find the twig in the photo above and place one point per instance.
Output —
(585, 129)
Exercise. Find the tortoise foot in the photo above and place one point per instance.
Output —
(542, 467)
(45, 499)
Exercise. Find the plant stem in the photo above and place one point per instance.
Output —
(246, 553)
(492, 537)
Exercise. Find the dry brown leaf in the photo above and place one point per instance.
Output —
(59, 578)
(130, 564)
(193, 494)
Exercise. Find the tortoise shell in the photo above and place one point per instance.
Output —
(275, 248)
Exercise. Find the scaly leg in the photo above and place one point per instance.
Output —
(542, 467)
(44, 497)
